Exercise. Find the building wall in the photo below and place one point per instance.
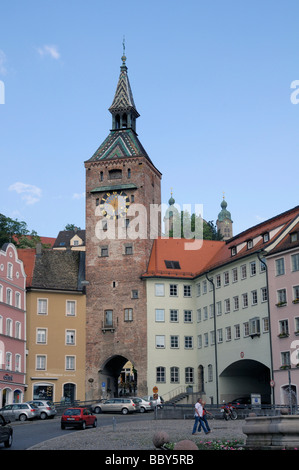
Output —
(46, 337)
(12, 326)
(284, 319)
(201, 356)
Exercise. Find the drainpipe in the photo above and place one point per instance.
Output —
(271, 355)
(216, 358)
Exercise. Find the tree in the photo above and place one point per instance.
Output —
(11, 230)
(193, 226)
(71, 227)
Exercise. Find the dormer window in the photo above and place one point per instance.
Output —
(294, 237)
(172, 264)
(233, 251)
(249, 244)
(266, 237)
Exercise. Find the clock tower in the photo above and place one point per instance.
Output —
(122, 187)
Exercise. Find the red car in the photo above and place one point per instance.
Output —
(78, 418)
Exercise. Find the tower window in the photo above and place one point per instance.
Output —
(115, 174)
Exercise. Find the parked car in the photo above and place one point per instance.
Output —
(144, 405)
(45, 408)
(154, 402)
(6, 432)
(78, 417)
(116, 405)
(20, 411)
(242, 402)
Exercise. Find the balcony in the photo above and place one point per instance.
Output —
(108, 327)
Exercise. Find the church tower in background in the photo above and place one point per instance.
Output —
(224, 222)
(121, 185)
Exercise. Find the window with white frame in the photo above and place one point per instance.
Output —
(285, 358)
(187, 290)
(160, 314)
(174, 375)
(188, 340)
(246, 329)
(18, 330)
(226, 278)
(9, 327)
(228, 333)
(245, 300)
(1, 293)
(253, 268)
(296, 293)
(70, 337)
(159, 290)
(212, 337)
(284, 327)
(71, 308)
(235, 274)
(173, 290)
(174, 341)
(189, 375)
(40, 362)
(206, 339)
(9, 296)
(211, 308)
(220, 335)
(281, 296)
(187, 316)
(226, 305)
(160, 374)
(198, 290)
(210, 373)
(199, 341)
(204, 287)
(236, 302)
(205, 313)
(264, 294)
(219, 308)
(198, 312)
(279, 265)
(218, 280)
(243, 271)
(266, 325)
(254, 297)
(18, 363)
(237, 332)
(70, 363)
(8, 361)
(42, 306)
(41, 335)
(174, 315)
(9, 271)
(18, 300)
(160, 341)
(295, 262)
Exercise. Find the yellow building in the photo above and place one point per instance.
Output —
(55, 324)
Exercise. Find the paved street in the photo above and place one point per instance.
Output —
(139, 435)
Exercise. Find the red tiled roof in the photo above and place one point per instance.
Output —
(191, 260)
(213, 254)
(27, 255)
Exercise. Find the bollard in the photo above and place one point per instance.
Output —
(114, 424)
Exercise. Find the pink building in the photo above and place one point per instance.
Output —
(12, 326)
(283, 279)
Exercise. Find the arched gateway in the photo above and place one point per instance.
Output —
(244, 377)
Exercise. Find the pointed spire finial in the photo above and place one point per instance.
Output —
(124, 53)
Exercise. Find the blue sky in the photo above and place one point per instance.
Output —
(211, 81)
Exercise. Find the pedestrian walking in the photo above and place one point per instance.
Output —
(198, 421)
(204, 416)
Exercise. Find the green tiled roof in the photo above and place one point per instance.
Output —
(122, 143)
(114, 187)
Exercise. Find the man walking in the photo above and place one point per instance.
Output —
(198, 421)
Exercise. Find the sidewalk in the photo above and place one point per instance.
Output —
(139, 436)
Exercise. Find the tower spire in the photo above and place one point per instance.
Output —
(123, 109)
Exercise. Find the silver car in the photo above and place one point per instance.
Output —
(45, 408)
(20, 411)
(116, 405)
(144, 405)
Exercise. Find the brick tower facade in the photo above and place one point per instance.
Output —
(121, 185)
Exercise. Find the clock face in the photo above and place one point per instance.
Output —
(115, 204)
